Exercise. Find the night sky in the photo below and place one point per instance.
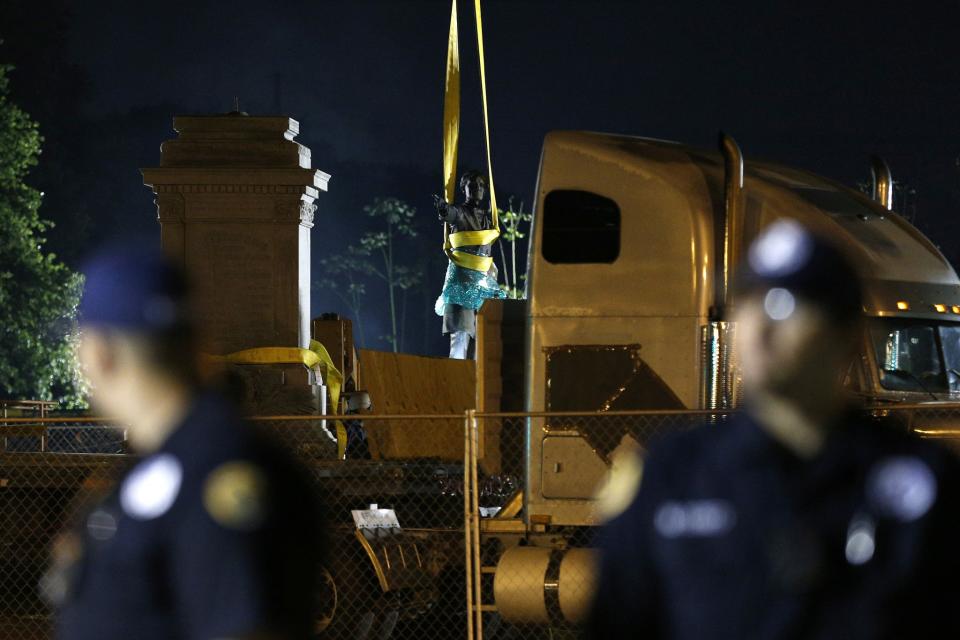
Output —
(816, 85)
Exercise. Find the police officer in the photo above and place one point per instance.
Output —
(799, 518)
(212, 533)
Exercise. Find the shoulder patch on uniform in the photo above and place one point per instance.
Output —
(150, 489)
(234, 494)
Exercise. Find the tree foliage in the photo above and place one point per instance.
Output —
(343, 275)
(385, 254)
(386, 257)
(514, 223)
(38, 293)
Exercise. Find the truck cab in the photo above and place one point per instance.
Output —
(633, 247)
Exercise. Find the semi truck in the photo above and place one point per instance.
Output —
(633, 248)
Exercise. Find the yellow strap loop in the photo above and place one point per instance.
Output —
(486, 122)
(334, 382)
(451, 141)
(451, 109)
(341, 439)
(316, 355)
(273, 355)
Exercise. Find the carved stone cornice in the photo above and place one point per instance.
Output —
(230, 188)
(170, 207)
(236, 180)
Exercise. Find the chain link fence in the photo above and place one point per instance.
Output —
(49, 467)
(484, 533)
(544, 487)
(396, 560)
(540, 506)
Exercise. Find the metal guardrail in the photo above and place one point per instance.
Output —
(431, 577)
(14, 408)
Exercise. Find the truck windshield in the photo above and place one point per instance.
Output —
(917, 355)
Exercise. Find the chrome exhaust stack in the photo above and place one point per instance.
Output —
(882, 182)
(731, 226)
(719, 388)
(719, 374)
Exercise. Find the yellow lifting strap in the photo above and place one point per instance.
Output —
(316, 355)
(451, 110)
(451, 141)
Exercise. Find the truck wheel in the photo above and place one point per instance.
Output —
(326, 601)
(348, 602)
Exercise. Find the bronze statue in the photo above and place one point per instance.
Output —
(471, 274)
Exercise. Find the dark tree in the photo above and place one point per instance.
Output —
(38, 293)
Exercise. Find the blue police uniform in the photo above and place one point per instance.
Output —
(217, 533)
(214, 535)
(733, 536)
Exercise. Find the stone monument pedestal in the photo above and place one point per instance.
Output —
(235, 201)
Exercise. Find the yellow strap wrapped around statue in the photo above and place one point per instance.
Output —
(470, 261)
(451, 140)
(464, 259)
(473, 238)
(316, 355)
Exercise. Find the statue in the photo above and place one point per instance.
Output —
(471, 274)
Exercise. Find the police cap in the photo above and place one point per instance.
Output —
(788, 261)
(134, 289)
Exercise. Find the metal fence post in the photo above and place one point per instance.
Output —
(475, 516)
(468, 519)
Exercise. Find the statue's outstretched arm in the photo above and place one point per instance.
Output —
(447, 212)
(442, 207)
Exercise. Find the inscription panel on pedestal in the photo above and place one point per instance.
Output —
(235, 271)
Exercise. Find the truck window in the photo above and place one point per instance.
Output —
(950, 340)
(580, 227)
(916, 355)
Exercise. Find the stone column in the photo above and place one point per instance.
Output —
(235, 201)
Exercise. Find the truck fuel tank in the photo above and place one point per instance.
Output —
(542, 585)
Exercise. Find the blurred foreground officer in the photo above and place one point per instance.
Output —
(213, 533)
(799, 518)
